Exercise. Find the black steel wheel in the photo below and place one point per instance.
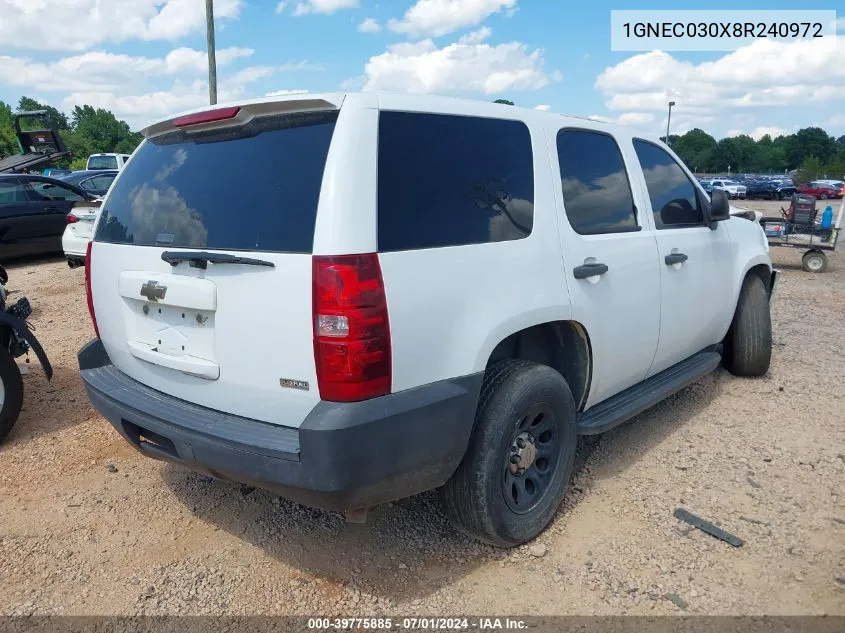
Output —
(520, 455)
(532, 459)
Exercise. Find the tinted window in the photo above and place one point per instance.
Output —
(100, 182)
(102, 162)
(450, 180)
(673, 197)
(255, 187)
(11, 191)
(52, 191)
(596, 191)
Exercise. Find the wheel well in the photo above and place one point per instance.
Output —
(562, 345)
(764, 273)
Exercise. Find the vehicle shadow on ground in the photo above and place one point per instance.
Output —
(408, 550)
(405, 551)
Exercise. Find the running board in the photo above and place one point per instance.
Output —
(633, 401)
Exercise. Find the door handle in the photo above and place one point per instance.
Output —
(675, 258)
(589, 270)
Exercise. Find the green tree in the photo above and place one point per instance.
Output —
(695, 148)
(8, 142)
(102, 131)
(504, 101)
(59, 119)
(809, 141)
(810, 169)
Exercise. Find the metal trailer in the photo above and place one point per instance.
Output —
(798, 229)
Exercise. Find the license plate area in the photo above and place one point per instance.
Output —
(170, 321)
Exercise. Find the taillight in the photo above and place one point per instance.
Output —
(88, 294)
(71, 218)
(209, 116)
(351, 328)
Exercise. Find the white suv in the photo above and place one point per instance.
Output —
(733, 189)
(349, 299)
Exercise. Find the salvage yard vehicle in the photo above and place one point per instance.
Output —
(16, 339)
(39, 147)
(78, 231)
(106, 161)
(434, 293)
(33, 213)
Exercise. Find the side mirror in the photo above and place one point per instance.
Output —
(720, 207)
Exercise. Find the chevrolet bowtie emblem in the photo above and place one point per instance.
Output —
(153, 291)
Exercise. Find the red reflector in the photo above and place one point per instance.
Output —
(351, 328)
(88, 294)
(220, 114)
(72, 219)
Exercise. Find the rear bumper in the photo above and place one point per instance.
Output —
(344, 456)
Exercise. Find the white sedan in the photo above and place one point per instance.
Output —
(80, 225)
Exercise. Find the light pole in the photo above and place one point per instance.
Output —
(671, 103)
(212, 56)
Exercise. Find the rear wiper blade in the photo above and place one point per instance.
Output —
(201, 259)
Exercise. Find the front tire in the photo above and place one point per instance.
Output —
(11, 393)
(748, 345)
(520, 456)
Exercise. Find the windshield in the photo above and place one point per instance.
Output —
(254, 187)
(102, 162)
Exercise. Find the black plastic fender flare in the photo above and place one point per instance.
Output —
(23, 331)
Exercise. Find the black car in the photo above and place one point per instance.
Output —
(94, 181)
(769, 190)
(33, 213)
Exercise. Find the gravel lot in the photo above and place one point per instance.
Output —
(90, 527)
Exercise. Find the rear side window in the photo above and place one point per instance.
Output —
(102, 162)
(674, 200)
(11, 191)
(254, 187)
(450, 180)
(596, 191)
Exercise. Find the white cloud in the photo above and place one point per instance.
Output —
(326, 7)
(99, 70)
(764, 74)
(422, 67)
(840, 25)
(543, 108)
(759, 132)
(252, 73)
(369, 25)
(82, 24)
(440, 17)
(281, 6)
(635, 118)
(476, 37)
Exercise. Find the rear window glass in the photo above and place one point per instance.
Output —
(448, 180)
(254, 187)
(102, 162)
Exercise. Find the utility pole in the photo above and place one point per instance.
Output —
(212, 56)
(668, 120)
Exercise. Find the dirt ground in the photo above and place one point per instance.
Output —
(88, 526)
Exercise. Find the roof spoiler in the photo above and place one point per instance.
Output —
(205, 119)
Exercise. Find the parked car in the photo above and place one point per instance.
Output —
(346, 355)
(78, 231)
(769, 190)
(733, 189)
(106, 161)
(33, 213)
(96, 182)
(821, 190)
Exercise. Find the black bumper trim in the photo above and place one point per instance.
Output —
(344, 456)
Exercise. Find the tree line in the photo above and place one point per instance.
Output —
(86, 130)
(811, 151)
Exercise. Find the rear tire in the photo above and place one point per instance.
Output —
(11, 393)
(526, 411)
(814, 262)
(748, 345)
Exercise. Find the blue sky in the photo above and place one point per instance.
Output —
(145, 59)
